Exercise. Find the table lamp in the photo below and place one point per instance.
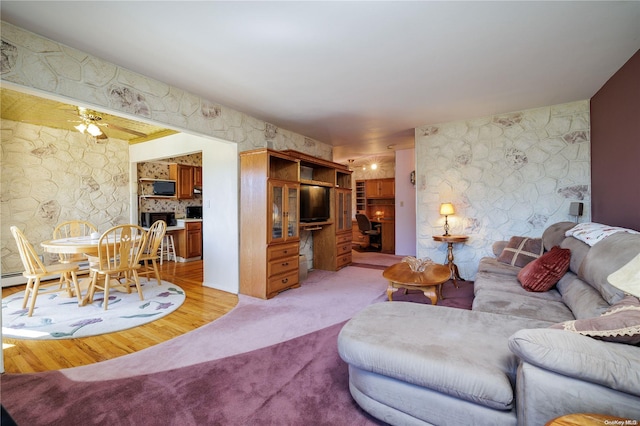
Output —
(627, 278)
(446, 209)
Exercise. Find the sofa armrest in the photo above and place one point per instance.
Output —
(614, 365)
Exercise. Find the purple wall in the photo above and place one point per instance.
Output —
(615, 148)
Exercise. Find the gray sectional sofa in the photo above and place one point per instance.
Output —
(500, 363)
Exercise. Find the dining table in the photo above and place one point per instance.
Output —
(72, 245)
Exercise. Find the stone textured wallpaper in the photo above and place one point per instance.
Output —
(49, 176)
(36, 62)
(508, 174)
(43, 155)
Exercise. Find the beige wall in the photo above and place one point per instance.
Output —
(508, 174)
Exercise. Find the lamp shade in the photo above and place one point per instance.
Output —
(446, 209)
(627, 278)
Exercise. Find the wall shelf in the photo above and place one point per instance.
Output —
(155, 180)
(316, 183)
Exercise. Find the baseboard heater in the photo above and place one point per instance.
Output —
(15, 278)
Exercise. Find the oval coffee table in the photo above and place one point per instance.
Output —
(429, 281)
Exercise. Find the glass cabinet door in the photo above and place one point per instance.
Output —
(283, 216)
(348, 210)
(277, 210)
(343, 210)
(292, 211)
(340, 210)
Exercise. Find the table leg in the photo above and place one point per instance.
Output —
(455, 275)
(432, 294)
(390, 290)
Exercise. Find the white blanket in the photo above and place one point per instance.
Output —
(591, 233)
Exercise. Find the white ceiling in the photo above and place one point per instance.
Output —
(357, 75)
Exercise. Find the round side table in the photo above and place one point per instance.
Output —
(450, 239)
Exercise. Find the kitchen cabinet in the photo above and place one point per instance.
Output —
(183, 175)
(380, 188)
(197, 177)
(189, 241)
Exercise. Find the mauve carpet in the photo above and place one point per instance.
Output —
(298, 381)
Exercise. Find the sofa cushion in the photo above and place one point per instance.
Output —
(522, 305)
(583, 300)
(521, 250)
(454, 351)
(543, 273)
(606, 257)
(620, 323)
(554, 234)
(612, 365)
(492, 281)
(579, 251)
(491, 264)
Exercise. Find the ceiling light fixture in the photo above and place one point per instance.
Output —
(89, 118)
(374, 166)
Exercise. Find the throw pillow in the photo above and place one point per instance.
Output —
(544, 272)
(521, 250)
(620, 323)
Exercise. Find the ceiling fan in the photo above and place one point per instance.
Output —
(91, 124)
(90, 120)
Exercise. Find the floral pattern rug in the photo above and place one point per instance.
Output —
(57, 316)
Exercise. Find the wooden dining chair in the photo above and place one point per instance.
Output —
(73, 228)
(119, 252)
(150, 252)
(35, 271)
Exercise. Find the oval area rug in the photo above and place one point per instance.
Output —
(57, 316)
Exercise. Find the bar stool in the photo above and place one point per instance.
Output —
(168, 248)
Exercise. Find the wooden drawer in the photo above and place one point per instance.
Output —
(343, 238)
(282, 250)
(344, 248)
(279, 266)
(343, 260)
(192, 226)
(282, 282)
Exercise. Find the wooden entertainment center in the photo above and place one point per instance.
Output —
(270, 183)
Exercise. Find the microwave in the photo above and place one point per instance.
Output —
(194, 212)
(164, 187)
(147, 218)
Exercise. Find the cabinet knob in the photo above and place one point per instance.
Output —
(285, 264)
(286, 280)
(286, 252)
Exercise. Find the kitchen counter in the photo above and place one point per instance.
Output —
(181, 222)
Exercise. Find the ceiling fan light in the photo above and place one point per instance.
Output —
(94, 130)
(81, 127)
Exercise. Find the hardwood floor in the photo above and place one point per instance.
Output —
(202, 305)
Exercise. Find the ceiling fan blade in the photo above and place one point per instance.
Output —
(122, 129)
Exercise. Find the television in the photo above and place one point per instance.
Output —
(163, 187)
(315, 203)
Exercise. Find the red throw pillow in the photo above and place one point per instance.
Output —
(544, 272)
